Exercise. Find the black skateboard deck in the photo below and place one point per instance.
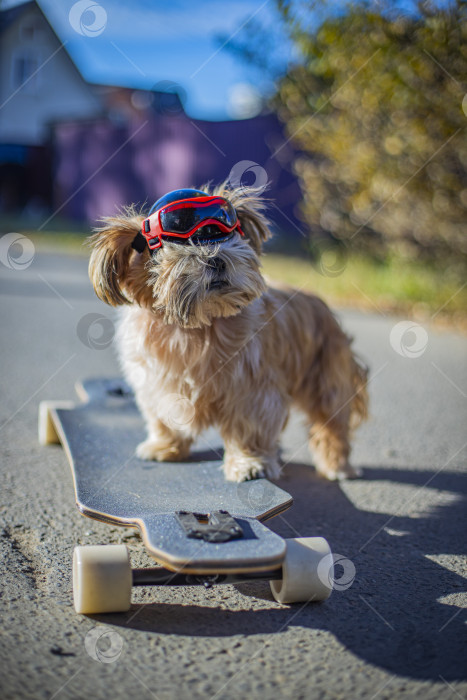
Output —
(190, 518)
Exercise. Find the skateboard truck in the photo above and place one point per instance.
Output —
(218, 526)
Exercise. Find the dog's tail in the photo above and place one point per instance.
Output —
(342, 378)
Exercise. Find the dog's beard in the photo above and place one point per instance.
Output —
(193, 284)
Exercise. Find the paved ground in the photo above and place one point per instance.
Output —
(399, 630)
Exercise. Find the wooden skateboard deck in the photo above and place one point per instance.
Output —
(100, 436)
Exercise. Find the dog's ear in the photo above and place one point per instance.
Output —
(250, 207)
(111, 254)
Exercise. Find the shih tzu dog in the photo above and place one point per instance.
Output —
(203, 335)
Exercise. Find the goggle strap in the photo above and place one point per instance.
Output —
(139, 243)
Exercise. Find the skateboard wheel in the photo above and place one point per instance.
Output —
(307, 571)
(102, 579)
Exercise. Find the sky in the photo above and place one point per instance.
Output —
(150, 44)
(140, 43)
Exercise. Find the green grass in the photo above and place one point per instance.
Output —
(60, 241)
(393, 286)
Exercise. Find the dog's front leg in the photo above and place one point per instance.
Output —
(251, 436)
(163, 443)
(242, 463)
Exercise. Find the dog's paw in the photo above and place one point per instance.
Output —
(245, 467)
(349, 472)
(343, 472)
(159, 451)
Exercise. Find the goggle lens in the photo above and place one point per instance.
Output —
(211, 216)
(183, 217)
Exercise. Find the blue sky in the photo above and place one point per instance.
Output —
(143, 42)
(140, 43)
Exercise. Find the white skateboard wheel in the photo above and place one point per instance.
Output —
(102, 579)
(307, 571)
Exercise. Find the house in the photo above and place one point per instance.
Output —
(74, 150)
(38, 83)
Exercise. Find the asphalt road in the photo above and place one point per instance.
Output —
(395, 628)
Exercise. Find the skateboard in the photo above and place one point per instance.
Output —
(199, 528)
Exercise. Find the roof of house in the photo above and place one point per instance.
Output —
(11, 14)
(112, 94)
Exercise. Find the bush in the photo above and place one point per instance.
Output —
(376, 106)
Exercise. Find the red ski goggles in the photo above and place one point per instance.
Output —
(181, 220)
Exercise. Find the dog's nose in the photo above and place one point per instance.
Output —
(219, 264)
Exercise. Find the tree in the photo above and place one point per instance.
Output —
(376, 104)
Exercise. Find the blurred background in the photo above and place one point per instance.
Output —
(350, 116)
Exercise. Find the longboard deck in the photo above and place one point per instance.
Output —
(112, 485)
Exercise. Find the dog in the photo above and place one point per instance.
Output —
(204, 338)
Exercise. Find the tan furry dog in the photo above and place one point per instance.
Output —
(202, 324)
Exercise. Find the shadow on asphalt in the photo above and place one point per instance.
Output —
(391, 616)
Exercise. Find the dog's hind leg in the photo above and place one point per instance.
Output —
(334, 397)
(330, 444)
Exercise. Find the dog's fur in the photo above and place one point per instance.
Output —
(204, 341)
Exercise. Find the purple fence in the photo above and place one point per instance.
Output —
(100, 165)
